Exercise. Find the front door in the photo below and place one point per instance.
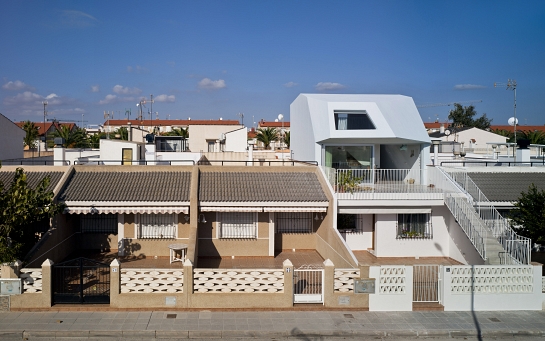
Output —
(126, 156)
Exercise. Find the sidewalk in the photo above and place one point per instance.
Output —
(277, 324)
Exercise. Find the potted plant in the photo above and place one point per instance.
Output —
(348, 182)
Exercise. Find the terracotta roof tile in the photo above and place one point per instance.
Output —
(260, 187)
(128, 186)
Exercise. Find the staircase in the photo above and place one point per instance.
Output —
(489, 232)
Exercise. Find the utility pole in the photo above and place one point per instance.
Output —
(45, 135)
(512, 85)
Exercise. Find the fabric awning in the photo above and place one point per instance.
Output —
(230, 209)
(380, 210)
(295, 209)
(126, 210)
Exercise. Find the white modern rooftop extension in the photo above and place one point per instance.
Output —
(318, 120)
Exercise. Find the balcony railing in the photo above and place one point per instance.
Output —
(377, 184)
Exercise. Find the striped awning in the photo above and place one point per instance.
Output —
(261, 209)
(127, 210)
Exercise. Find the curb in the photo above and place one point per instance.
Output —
(229, 334)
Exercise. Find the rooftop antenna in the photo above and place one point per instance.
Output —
(241, 115)
(512, 85)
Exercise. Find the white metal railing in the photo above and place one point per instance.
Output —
(516, 246)
(377, 184)
(456, 200)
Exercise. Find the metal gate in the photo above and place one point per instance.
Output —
(426, 283)
(307, 285)
(81, 281)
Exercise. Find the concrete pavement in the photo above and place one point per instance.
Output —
(303, 325)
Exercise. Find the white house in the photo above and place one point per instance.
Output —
(11, 139)
(374, 150)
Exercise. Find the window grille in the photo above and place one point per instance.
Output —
(237, 225)
(414, 226)
(98, 223)
(157, 226)
(293, 222)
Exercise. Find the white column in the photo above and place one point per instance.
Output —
(121, 234)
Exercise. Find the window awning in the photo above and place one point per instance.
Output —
(261, 209)
(295, 209)
(127, 210)
(380, 210)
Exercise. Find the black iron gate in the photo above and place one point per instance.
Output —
(81, 280)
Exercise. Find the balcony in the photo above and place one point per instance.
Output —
(382, 184)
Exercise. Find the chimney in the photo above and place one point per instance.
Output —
(442, 128)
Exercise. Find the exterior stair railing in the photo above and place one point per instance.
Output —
(517, 248)
(457, 202)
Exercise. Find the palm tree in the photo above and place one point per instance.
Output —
(266, 136)
(178, 132)
(535, 137)
(121, 133)
(31, 131)
(76, 138)
(94, 140)
(509, 134)
(287, 138)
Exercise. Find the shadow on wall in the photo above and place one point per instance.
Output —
(131, 249)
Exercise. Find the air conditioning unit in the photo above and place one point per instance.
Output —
(364, 286)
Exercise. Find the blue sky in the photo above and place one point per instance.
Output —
(212, 59)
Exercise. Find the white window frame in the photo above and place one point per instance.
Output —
(164, 228)
(294, 222)
(411, 228)
(236, 225)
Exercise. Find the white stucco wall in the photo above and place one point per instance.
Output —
(481, 137)
(449, 240)
(112, 150)
(236, 140)
(400, 300)
(200, 134)
(363, 238)
(11, 139)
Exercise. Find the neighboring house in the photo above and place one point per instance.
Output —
(471, 139)
(49, 128)
(281, 128)
(11, 139)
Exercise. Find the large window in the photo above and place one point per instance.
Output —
(293, 222)
(414, 226)
(237, 225)
(353, 120)
(157, 225)
(171, 143)
(98, 223)
(349, 157)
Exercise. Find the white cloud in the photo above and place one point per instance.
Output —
(95, 88)
(290, 84)
(136, 69)
(16, 86)
(165, 98)
(109, 99)
(208, 84)
(328, 86)
(77, 19)
(468, 87)
(31, 100)
(123, 90)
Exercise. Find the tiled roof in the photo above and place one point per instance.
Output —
(175, 123)
(260, 187)
(145, 186)
(503, 186)
(33, 178)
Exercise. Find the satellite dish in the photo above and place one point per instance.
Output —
(512, 121)
(447, 132)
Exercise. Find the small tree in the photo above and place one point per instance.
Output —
(266, 136)
(287, 139)
(178, 132)
(463, 117)
(528, 216)
(22, 206)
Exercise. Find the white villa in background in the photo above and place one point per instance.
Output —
(389, 200)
